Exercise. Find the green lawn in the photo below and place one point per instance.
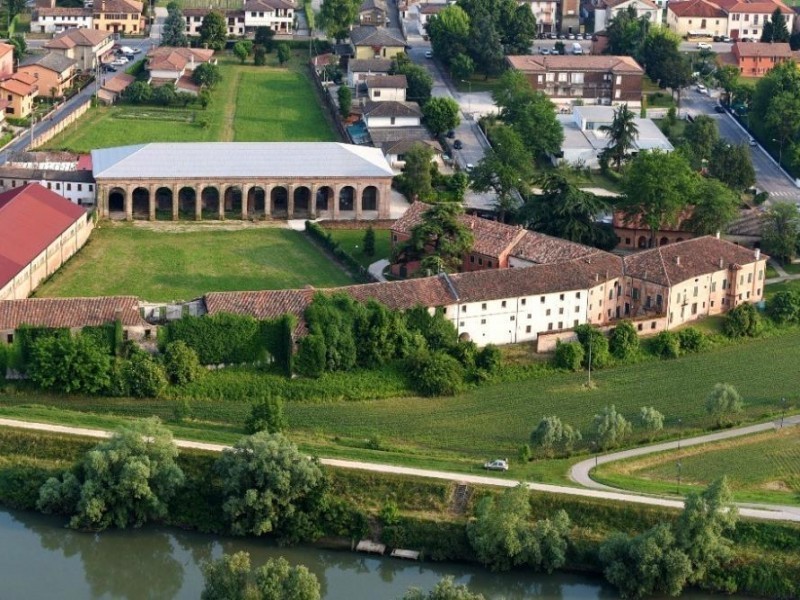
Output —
(250, 104)
(352, 241)
(763, 467)
(168, 265)
(793, 285)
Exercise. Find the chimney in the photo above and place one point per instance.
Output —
(758, 253)
(717, 233)
(103, 6)
(597, 276)
(721, 262)
(678, 260)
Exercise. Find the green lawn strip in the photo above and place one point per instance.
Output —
(164, 266)
(352, 241)
(792, 268)
(792, 285)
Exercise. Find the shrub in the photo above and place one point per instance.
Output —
(489, 358)
(742, 321)
(610, 428)
(310, 360)
(595, 344)
(266, 415)
(181, 363)
(651, 420)
(143, 376)
(390, 513)
(569, 355)
(692, 339)
(464, 353)
(369, 242)
(666, 345)
(70, 364)
(553, 436)
(724, 403)
(784, 307)
(623, 340)
(436, 374)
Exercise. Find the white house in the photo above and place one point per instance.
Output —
(76, 186)
(387, 88)
(277, 14)
(606, 10)
(166, 64)
(392, 114)
(546, 13)
(54, 20)
(427, 10)
(360, 69)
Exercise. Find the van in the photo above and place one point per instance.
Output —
(576, 48)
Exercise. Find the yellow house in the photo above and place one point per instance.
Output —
(54, 73)
(377, 42)
(118, 16)
(17, 92)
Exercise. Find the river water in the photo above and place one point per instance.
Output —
(40, 559)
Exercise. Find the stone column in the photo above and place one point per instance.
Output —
(221, 189)
(129, 203)
(245, 191)
(335, 208)
(198, 202)
(384, 201)
(357, 199)
(101, 200)
(267, 199)
(151, 202)
(312, 202)
(290, 201)
(176, 188)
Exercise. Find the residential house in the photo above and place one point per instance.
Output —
(377, 42)
(373, 12)
(606, 10)
(18, 91)
(584, 139)
(39, 231)
(589, 79)
(395, 141)
(697, 18)
(54, 19)
(746, 19)
(54, 73)
(86, 46)
(167, 64)
(392, 114)
(277, 14)
(112, 88)
(76, 185)
(569, 16)
(235, 20)
(6, 59)
(395, 150)
(358, 70)
(386, 88)
(755, 59)
(118, 16)
(546, 13)
(427, 10)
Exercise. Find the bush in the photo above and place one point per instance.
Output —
(489, 358)
(784, 307)
(610, 428)
(742, 321)
(70, 364)
(623, 340)
(310, 360)
(143, 376)
(692, 339)
(181, 363)
(266, 415)
(436, 374)
(666, 345)
(724, 403)
(464, 353)
(593, 339)
(553, 436)
(651, 420)
(569, 355)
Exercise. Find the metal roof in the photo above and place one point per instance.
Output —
(211, 160)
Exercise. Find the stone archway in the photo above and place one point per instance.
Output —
(140, 202)
(302, 202)
(256, 201)
(187, 202)
(642, 243)
(663, 241)
(116, 200)
(209, 198)
(279, 199)
(324, 199)
(233, 201)
(347, 198)
(164, 200)
(369, 198)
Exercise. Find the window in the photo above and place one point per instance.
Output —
(639, 327)
(489, 264)
(659, 299)
(523, 301)
(619, 80)
(713, 286)
(760, 274)
(461, 324)
(549, 327)
(611, 294)
(635, 293)
(748, 295)
(503, 304)
(527, 329)
(561, 324)
(464, 308)
(512, 317)
(575, 323)
(577, 309)
(617, 94)
(547, 313)
(696, 291)
(541, 299)
(529, 315)
(540, 78)
(577, 78)
(724, 284)
(652, 325)
(550, 76)
(562, 77)
(69, 187)
(577, 294)
(10, 338)
(561, 297)
(749, 278)
(376, 93)
(483, 306)
(627, 241)
(712, 304)
(483, 321)
(480, 261)
(80, 187)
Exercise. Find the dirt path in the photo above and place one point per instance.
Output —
(229, 111)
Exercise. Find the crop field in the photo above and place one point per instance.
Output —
(352, 240)
(169, 264)
(763, 467)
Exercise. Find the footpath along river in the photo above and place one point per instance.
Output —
(40, 559)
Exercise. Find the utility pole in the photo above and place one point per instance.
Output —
(678, 489)
(783, 410)
(590, 358)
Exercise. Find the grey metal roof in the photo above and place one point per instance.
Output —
(369, 35)
(239, 160)
(52, 61)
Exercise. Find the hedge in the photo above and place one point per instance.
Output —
(332, 246)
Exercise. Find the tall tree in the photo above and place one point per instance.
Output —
(337, 16)
(775, 30)
(264, 37)
(626, 33)
(214, 31)
(517, 26)
(622, 134)
(345, 99)
(659, 48)
(781, 231)
(677, 74)
(732, 165)
(441, 114)
(449, 33)
(416, 176)
(420, 82)
(446, 589)
(174, 30)
(727, 77)
(714, 206)
(485, 46)
(439, 241)
(701, 137)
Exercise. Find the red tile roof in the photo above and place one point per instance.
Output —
(543, 64)
(696, 8)
(764, 7)
(70, 312)
(167, 58)
(752, 49)
(542, 249)
(31, 218)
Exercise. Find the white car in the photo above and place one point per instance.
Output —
(703, 46)
(469, 167)
(120, 62)
(701, 88)
(429, 54)
(496, 465)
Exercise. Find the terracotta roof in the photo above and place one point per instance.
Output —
(31, 218)
(70, 312)
(761, 8)
(432, 9)
(387, 81)
(20, 83)
(613, 3)
(64, 12)
(264, 304)
(777, 49)
(79, 36)
(118, 83)
(543, 249)
(696, 8)
(542, 64)
(186, 84)
(167, 58)
(369, 65)
(369, 35)
(5, 48)
(392, 108)
(402, 295)
(673, 263)
(117, 6)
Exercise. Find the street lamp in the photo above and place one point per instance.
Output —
(678, 489)
(680, 432)
(469, 99)
(780, 150)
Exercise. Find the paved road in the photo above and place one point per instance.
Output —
(767, 512)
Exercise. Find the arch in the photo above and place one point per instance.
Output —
(642, 242)
(302, 201)
(140, 201)
(464, 337)
(279, 198)
(233, 200)
(116, 200)
(346, 198)
(187, 198)
(679, 240)
(164, 200)
(209, 198)
(663, 241)
(369, 198)
(256, 197)
(324, 197)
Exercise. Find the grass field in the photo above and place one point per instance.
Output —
(352, 240)
(760, 468)
(169, 265)
(250, 104)
(793, 285)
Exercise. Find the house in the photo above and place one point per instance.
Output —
(386, 88)
(54, 73)
(569, 16)
(700, 18)
(373, 12)
(606, 10)
(358, 70)
(427, 10)
(39, 231)
(584, 140)
(746, 19)
(86, 46)
(277, 14)
(755, 59)
(589, 79)
(546, 13)
(377, 42)
(54, 19)
(396, 141)
(235, 20)
(118, 16)
(167, 64)
(633, 234)
(6, 59)
(111, 89)
(395, 150)
(392, 114)
(18, 91)
(77, 186)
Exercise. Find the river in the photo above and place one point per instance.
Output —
(40, 559)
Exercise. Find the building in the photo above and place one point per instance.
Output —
(114, 16)
(54, 73)
(6, 59)
(54, 19)
(584, 139)
(277, 14)
(373, 12)
(377, 42)
(77, 186)
(386, 88)
(698, 18)
(395, 150)
(235, 20)
(18, 91)
(590, 79)
(428, 10)
(755, 59)
(632, 234)
(392, 114)
(569, 16)
(746, 19)
(606, 10)
(111, 89)
(39, 230)
(358, 70)
(86, 46)
(546, 13)
(243, 180)
(395, 141)
(166, 64)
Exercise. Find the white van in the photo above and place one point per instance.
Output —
(576, 48)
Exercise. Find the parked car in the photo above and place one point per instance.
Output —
(719, 108)
(137, 51)
(496, 465)
(576, 48)
(469, 167)
(458, 145)
(429, 54)
(717, 38)
(571, 36)
(544, 51)
(451, 134)
(119, 62)
(703, 46)
(752, 141)
(725, 38)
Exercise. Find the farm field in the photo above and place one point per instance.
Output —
(184, 263)
(352, 240)
(760, 468)
(250, 104)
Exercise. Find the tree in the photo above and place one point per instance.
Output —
(126, 480)
(143, 376)
(489, 358)
(485, 46)
(164, 94)
(715, 205)
(441, 114)
(701, 136)
(138, 92)
(345, 98)
(368, 242)
(462, 67)
(449, 34)
(780, 233)
(310, 359)
(677, 73)
(666, 345)
(71, 364)
(552, 436)
(337, 16)
(264, 37)
(517, 25)
(503, 536)
(627, 33)
(727, 77)
(268, 486)
(595, 346)
(436, 374)
(214, 31)
(440, 240)
(259, 56)
(20, 46)
(173, 32)
(420, 82)
(622, 134)
(207, 75)
(266, 414)
(742, 321)
(446, 589)
(609, 428)
(692, 339)
(623, 341)
(659, 49)
(783, 307)
(656, 187)
(284, 54)
(416, 173)
(181, 363)
(651, 420)
(731, 164)
(227, 578)
(242, 50)
(724, 403)
(775, 30)
(569, 355)
(277, 580)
